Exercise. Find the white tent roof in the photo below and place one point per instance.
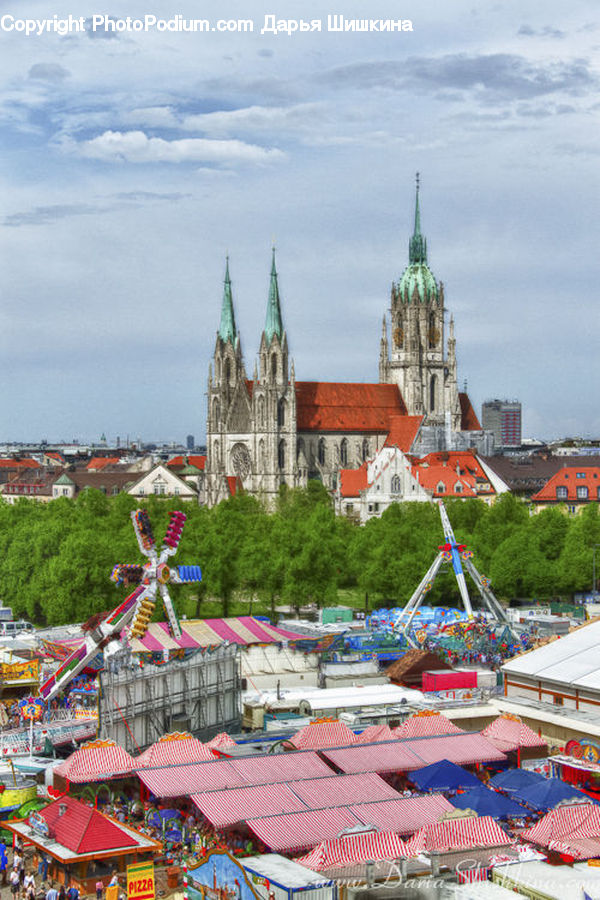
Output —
(572, 659)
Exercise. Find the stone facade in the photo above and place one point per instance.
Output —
(272, 430)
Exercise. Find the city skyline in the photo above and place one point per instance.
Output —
(134, 162)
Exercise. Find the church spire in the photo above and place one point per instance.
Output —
(227, 329)
(417, 248)
(273, 324)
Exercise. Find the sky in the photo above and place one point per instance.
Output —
(133, 162)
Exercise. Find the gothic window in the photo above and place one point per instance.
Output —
(274, 366)
(281, 413)
(216, 453)
(321, 451)
(281, 455)
(261, 455)
(396, 484)
(261, 412)
(432, 390)
(227, 371)
(216, 411)
(433, 332)
(218, 369)
(344, 452)
(365, 450)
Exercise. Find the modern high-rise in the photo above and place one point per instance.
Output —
(503, 419)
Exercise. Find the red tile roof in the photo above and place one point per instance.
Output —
(571, 478)
(19, 464)
(333, 406)
(100, 462)
(432, 476)
(403, 431)
(468, 420)
(191, 460)
(353, 480)
(83, 829)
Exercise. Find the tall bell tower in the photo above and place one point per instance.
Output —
(416, 358)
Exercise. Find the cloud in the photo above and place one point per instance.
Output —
(499, 75)
(546, 32)
(137, 147)
(44, 215)
(48, 72)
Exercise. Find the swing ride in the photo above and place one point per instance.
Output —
(110, 633)
(457, 554)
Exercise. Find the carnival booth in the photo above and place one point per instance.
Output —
(99, 772)
(82, 845)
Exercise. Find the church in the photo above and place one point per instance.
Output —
(271, 429)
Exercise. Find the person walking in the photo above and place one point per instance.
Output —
(99, 890)
(51, 893)
(3, 862)
(15, 883)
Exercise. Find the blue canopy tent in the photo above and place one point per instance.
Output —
(548, 793)
(443, 776)
(513, 780)
(488, 803)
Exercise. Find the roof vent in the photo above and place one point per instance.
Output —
(62, 808)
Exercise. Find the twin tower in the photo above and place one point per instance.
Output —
(270, 430)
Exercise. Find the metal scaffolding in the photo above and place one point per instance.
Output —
(200, 694)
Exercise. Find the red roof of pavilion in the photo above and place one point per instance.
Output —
(83, 829)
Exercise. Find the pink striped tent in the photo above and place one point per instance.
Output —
(96, 761)
(458, 834)
(323, 734)
(355, 848)
(174, 749)
(426, 725)
(221, 741)
(573, 829)
(508, 732)
(375, 733)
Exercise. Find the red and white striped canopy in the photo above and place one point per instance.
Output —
(342, 790)
(355, 848)
(578, 848)
(196, 778)
(426, 725)
(172, 750)
(96, 761)
(323, 734)
(464, 749)
(221, 741)
(375, 733)
(509, 733)
(301, 830)
(224, 808)
(403, 816)
(407, 755)
(565, 824)
(458, 834)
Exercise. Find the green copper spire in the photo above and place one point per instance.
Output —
(417, 248)
(227, 329)
(273, 325)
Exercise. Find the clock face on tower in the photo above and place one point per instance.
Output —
(240, 460)
(398, 336)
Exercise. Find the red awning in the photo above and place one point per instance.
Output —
(342, 790)
(509, 733)
(198, 778)
(395, 756)
(300, 830)
(463, 749)
(458, 834)
(565, 824)
(173, 750)
(355, 848)
(96, 761)
(403, 816)
(223, 808)
(323, 734)
(425, 725)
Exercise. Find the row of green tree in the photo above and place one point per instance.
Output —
(57, 557)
